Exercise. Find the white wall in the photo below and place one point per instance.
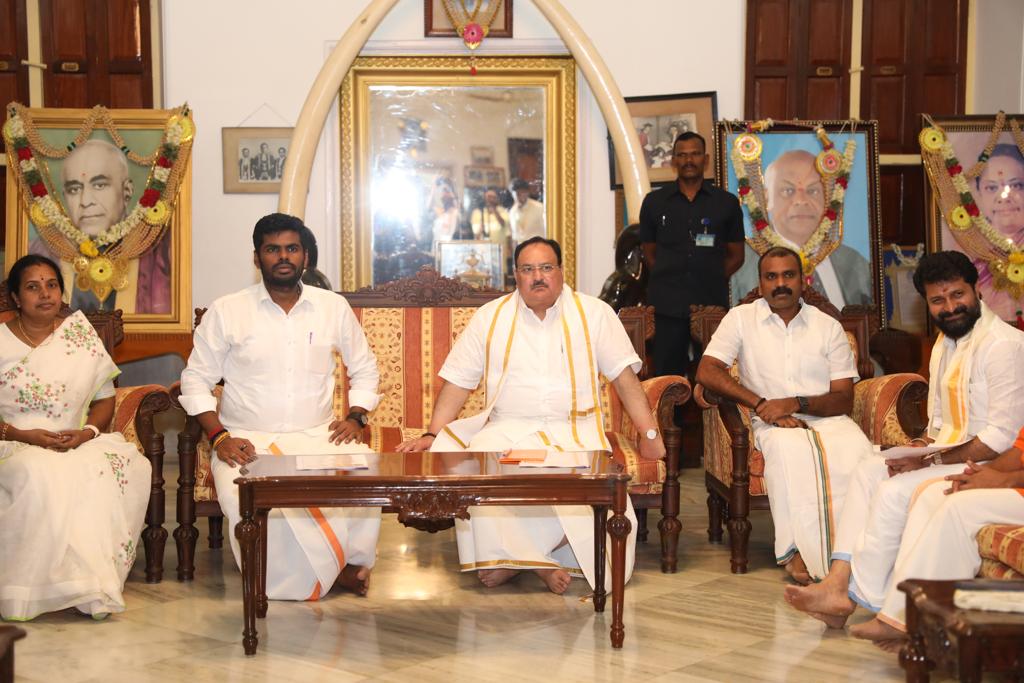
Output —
(998, 67)
(251, 62)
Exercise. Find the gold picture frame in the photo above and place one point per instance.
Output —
(495, 77)
(142, 130)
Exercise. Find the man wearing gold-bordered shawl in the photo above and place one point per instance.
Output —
(541, 351)
(975, 405)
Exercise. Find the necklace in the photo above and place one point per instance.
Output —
(32, 343)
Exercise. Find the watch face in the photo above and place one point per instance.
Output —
(652, 433)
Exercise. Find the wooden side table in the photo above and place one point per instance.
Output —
(962, 642)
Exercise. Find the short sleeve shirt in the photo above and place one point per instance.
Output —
(690, 239)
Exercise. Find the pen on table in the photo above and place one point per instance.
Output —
(311, 338)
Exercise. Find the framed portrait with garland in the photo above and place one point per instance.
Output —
(811, 186)
(975, 199)
(107, 195)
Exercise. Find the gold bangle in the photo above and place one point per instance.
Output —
(3, 431)
(221, 438)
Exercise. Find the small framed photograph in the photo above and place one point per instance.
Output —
(478, 263)
(436, 23)
(905, 308)
(484, 176)
(481, 156)
(658, 121)
(254, 159)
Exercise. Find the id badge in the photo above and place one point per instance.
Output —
(705, 239)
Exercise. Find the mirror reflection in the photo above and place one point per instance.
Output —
(457, 179)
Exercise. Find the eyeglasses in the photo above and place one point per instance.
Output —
(545, 268)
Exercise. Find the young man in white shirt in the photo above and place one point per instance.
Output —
(796, 375)
(975, 405)
(273, 345)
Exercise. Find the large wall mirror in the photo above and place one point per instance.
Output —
(449, 169)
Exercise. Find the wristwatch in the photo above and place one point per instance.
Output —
(356, 416)
(933, 458)
(651, 434)
(804, 403)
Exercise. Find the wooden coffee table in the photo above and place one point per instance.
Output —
(963, 642)
(428, 491)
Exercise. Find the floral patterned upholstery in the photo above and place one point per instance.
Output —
(1002, 551)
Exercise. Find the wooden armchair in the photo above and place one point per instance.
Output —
(431, 307)
(889, 409)
(134, 410)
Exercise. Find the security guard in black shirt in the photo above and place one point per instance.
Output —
(692, 235)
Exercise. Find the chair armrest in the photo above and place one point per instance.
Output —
(134, 409)
(700, 399)
(891, 409)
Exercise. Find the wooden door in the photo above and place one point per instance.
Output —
(13, 49)
(97, 52)
(915, 60)
(798, 59)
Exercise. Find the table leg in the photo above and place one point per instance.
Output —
(247, 534)
(619, 528)
(261, 564)
(969, 659)
(600, 555)
(914, 654)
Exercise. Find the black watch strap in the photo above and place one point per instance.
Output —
(804, 403)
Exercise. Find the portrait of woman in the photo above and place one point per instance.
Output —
(72, 498)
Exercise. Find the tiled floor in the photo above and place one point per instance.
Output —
(423, 621)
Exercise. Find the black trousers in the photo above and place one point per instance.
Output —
(671, 345)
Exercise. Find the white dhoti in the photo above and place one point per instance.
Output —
(806, 472)
(872, 524)
(529, 537)
(940, 541)
(306, 547)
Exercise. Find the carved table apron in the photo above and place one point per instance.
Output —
(429, 502)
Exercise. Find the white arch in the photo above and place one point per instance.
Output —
(302, 150)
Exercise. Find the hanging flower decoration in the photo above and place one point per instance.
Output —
(472, 20)
(100, 261)
(830, 164)
(972, 230)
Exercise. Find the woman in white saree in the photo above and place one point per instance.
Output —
(72, 499)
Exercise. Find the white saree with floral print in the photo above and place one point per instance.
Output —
(69, 521)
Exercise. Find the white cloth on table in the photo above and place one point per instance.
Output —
(529, 405)
(69, 522)
(278, 385)
(941, 538)
(306, 547)
(873, 519)
(806, 471)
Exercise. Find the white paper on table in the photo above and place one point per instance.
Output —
(333, 461)
(565, 459)
(904, 451)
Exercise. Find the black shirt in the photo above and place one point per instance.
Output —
(687, 268)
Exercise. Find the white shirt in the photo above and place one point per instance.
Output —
(995, 403)
(778, 360)
(537, 387)
(277, 367)
(527, 220)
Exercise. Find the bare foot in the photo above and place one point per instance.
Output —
(822, 601)
(877, 631)
(495, 577)
(557, 580)
(354, 578)
(830, 620)
(893, 646)
(797, 569)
